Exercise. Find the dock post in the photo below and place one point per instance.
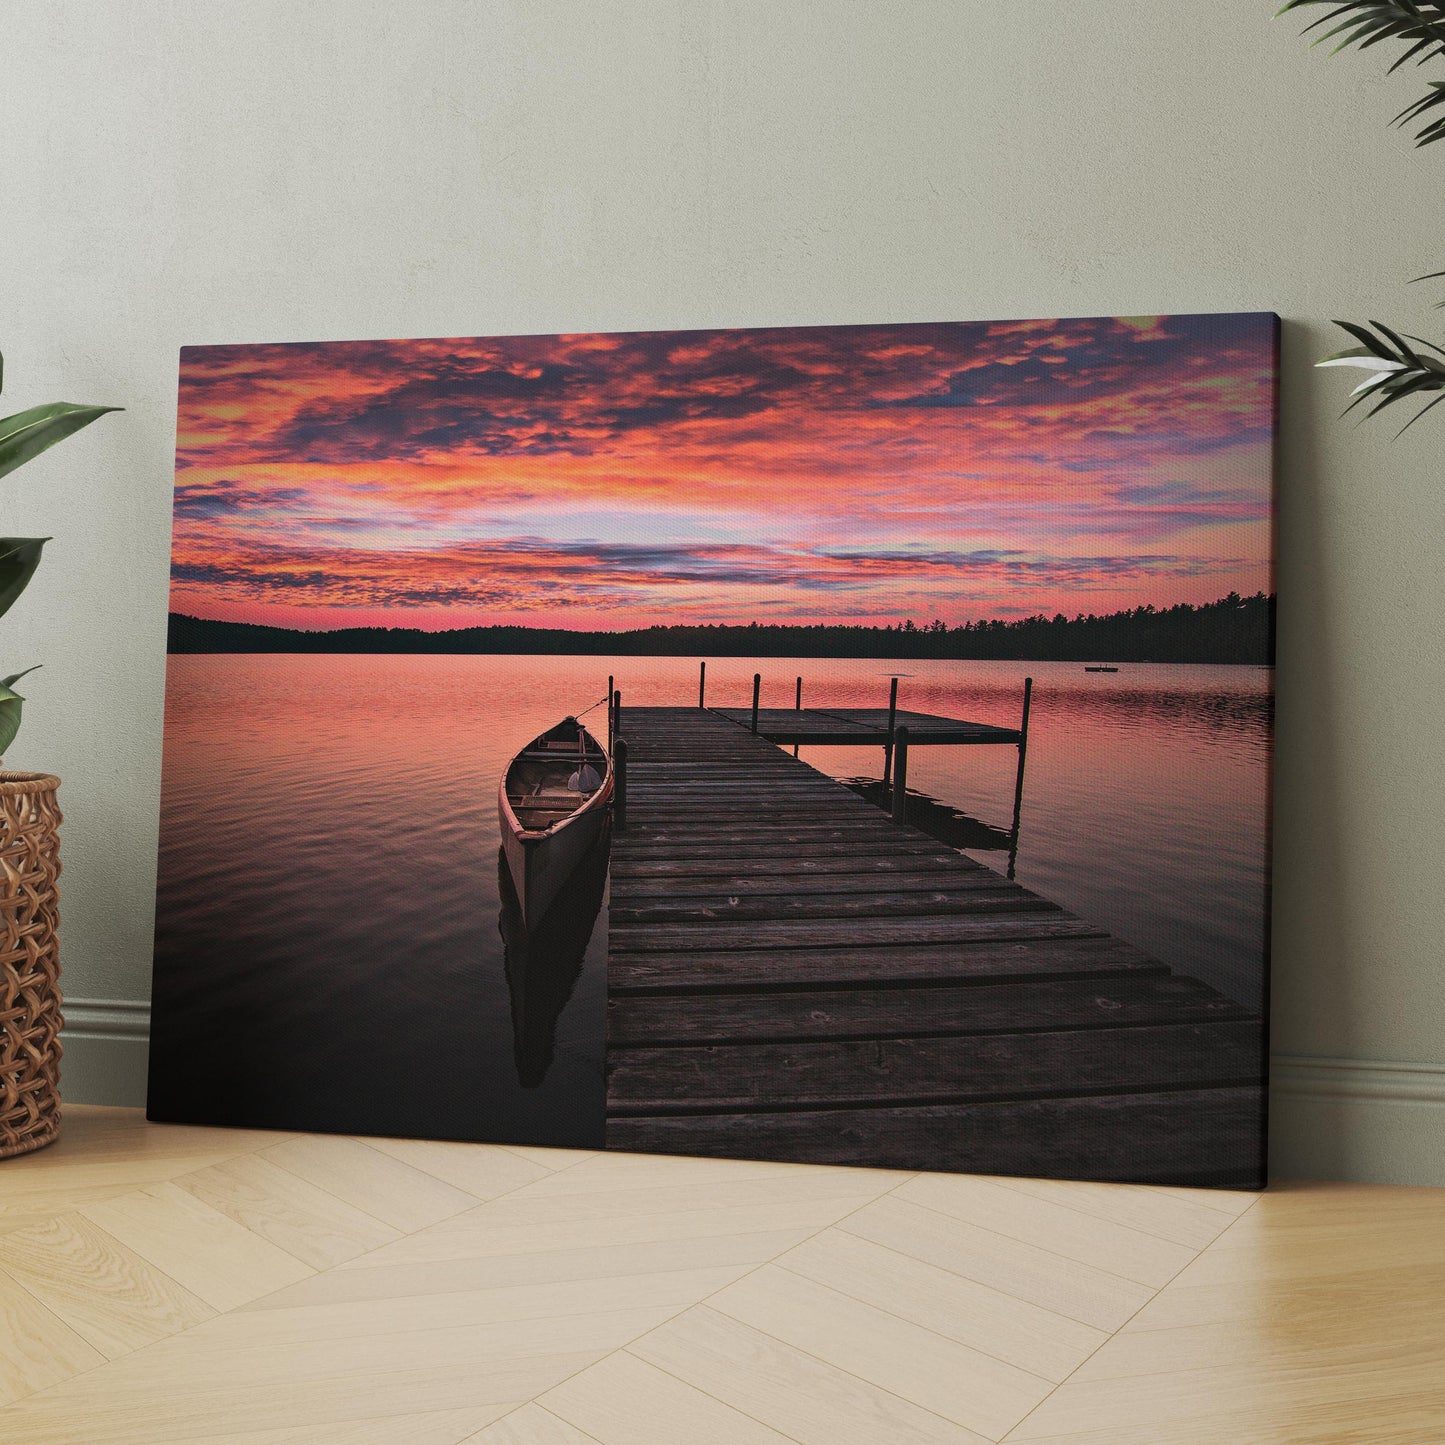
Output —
(617, 714)
(1013, 851)
(701, 681)
(619, 793)
(900, 777)
(798, 707)
(888, 746)
(757, 688)
(610, 681)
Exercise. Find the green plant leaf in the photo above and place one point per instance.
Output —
(10, 704)
(1418, 415)
(1420, 24)
(1406, 354)
(28, 433)
(16, 676)
(1400, 372)
(1370, 345)
(19, 557)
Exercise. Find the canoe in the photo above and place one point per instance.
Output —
(552, 803)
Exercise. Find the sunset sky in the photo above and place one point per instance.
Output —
(798, 474)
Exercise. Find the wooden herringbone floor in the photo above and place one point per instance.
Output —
(163, 1283)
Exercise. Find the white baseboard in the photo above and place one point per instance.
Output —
(107, 1018)
(1354, 1119)
(1357, 1119)
(1357, 1078)
(106, 1042)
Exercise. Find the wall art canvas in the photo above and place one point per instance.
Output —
(841, 744)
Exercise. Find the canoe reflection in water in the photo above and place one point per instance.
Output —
(543, 964)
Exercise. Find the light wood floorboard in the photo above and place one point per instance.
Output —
(180, 1284)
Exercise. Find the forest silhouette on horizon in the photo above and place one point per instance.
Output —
(1233, 629)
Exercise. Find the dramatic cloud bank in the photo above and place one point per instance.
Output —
(859, 473)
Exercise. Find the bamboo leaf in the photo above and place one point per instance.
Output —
(1418, 415)
(1396, 394)
(1429, 360)
(19, 557)
(28, 433)
(1406, 352)
(1358, 356)
(1359, 24)
(1372, 383)
(1411, 53)
(1370, 343)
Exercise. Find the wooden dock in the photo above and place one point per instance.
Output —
(792, 975)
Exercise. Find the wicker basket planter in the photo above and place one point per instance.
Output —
(29, 962)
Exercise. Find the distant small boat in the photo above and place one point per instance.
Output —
(1100, 668)
(553, 801)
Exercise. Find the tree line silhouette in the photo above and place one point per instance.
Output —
(1234, 629)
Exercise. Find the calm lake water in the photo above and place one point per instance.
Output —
(328, 949)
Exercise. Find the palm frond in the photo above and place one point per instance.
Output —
(1419, 24)
(1397, 370)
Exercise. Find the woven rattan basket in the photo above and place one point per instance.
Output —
(29, 962)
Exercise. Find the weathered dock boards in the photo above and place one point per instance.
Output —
(794, 976)
(863, 725)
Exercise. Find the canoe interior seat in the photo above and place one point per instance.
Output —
(535, 819)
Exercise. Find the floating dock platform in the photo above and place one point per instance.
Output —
(793, 975)
(863, 726)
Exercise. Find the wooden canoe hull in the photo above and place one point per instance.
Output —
(541, 861)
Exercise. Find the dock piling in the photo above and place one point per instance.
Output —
(1013, 851)
(701, 682)
(757, 689)
(892, 728)
(798, 707)
(619, 792)
(900, 776)
(610, 682)
(617, 714)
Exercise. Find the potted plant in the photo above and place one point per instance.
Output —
(29, 845)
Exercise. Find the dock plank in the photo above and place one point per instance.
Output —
(790, 1017)
(970, 896)
(727, 1078)
(1197, 1138)
(662, 872)
(747, 851)
(1041, 921)
(866, 969)
(719, 887)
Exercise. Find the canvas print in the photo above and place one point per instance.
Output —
(842, 744)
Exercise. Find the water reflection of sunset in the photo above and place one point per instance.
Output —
(858, 474)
